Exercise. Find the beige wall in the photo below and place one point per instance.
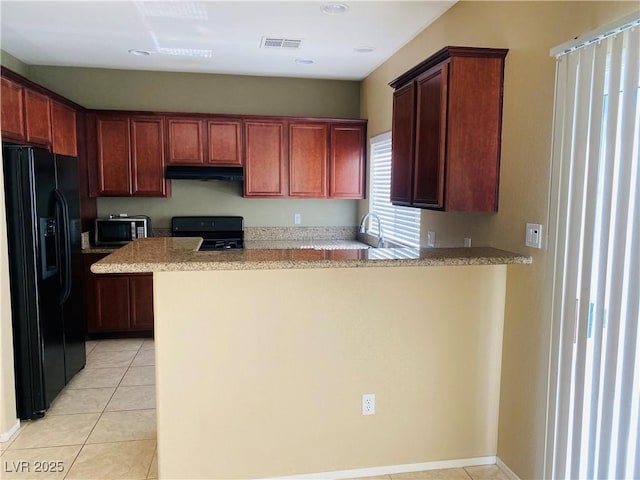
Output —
(225, 198)
(13, 63)
(188, 92)
(7, 385)
(529, 30)
(265, 378)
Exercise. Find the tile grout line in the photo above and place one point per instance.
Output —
(155, 451)
(101, 413)
(84, 444)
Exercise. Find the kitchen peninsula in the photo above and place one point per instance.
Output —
(262, 357)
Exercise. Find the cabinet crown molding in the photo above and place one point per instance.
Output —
(444, 54)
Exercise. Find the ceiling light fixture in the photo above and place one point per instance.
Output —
(140, 53)
(334, 8)
(303, 61)
(364, 49)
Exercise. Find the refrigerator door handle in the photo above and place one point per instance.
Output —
(65, 238)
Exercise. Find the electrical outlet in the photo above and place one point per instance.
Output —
(533, 235)
(296, 218)
(431, 238)
(369, 404)
(467, 242)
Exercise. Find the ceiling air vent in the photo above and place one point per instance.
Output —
(281, 43)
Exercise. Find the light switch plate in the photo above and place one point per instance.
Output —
(533, 237)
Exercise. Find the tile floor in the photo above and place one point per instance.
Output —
(103, 425)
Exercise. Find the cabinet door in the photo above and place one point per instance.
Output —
(428, 180)
(12, 98)
(402, 145)
(63, 128)
(147, 156)
(347, 161)
(265, 160)
(186, 142)
(114, 156)
(225, 142)
(474, 124)
(141, 294)
(37, 115)
(112, 313)
(308, 149)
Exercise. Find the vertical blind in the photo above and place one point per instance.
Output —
(594, 402)
(399, 224)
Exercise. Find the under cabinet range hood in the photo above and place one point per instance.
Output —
(179, 172)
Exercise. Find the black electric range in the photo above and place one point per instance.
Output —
(218, 233)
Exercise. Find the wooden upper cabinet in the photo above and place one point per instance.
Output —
(130, 156)
(473, 136)
(147, 157)
(428, 178)
(34, 118)
(63, 128)
(347, 168)
(12, 110)
(265, 159)
(324, 160)
(186, 141)
(224, 138)
(456, 122)
(402, 145)
(113, 156)
(308, 159)
(37, 116)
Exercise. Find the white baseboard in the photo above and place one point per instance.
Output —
(392, 469)
(6, 436)
(507, 471)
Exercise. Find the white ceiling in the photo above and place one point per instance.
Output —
(100, 34)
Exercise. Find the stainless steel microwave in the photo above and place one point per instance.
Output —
(118, 231)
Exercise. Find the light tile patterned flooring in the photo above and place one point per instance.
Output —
(103, 425)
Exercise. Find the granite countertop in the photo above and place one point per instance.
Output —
(100, 249)
(165, 254)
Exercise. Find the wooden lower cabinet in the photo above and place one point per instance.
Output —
(117, 303)
(141, 302)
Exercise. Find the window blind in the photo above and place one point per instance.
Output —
(594, 395)
(399, 224)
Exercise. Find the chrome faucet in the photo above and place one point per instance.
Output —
(363, 222)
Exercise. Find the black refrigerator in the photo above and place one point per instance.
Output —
(45, 270)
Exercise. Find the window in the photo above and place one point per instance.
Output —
(399, 224)
(594, 399)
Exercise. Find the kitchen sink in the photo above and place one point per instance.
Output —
(336, 245)
(371, 241)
